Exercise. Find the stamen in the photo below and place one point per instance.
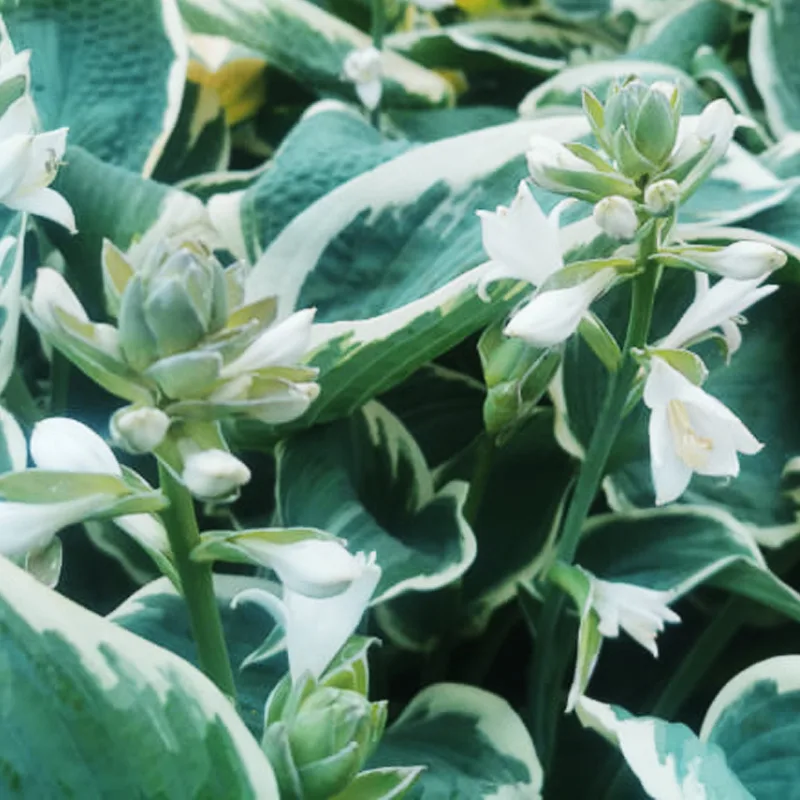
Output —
(692, 449)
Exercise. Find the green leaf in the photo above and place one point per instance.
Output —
(310, 44)
(90, 710)
(774, 63)
(754, 720)
(471, 742)
(112, 72)
(365, 480)
(677, 548)
(667, 758)
(158, 613)
(45, 486)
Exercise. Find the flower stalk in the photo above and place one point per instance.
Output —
(197, 583)
(549, 670)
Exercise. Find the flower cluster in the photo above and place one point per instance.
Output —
(186, 352)
(649, 161)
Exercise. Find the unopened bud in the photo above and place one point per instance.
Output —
(139, 430)
(617, 217)
(214, 474)
(742, 261)
(363, 68)
(661, 196)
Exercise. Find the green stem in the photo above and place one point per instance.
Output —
(19, 400)
(694, 666)
(197, 582)
(484, 455)
(548, 666)
(59, 383)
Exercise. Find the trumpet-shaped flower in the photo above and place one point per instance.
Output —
(64, 445)
(690, 431)
(642, 613)
(316, 628)
(522, 243)
(284, 343)
(29, 161)
(716, 307)
(364, 69)
(552, 317)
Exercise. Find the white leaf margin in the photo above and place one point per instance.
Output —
(44, 611)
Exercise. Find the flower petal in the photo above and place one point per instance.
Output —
(65, 445)
(670, 474)
(46, 203)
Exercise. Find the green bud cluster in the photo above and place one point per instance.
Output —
(319, 735)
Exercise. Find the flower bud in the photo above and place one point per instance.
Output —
(617, 217)
(364, 69)
(642, 123)
(171, 305)
(214, 474)
(139, 430)
(323, 741)
(661, 196)
(746, 260)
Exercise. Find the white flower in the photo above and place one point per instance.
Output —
(690, 431)
(641, 613)
(29, 161)
(552, 317)
(616, 216)
(64, 445)
(521, 242)
(743, 261)
(139, 430)
(317, 628)
(213, 474)
(717, 307)
(661, 196)
(716, 125)
(312, 567)
(283, 344)
(364, 69)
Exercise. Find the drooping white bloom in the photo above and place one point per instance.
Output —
(552, 317)
(716, 125)
(64, 445)
(29, 161)
(139, 430)
(61, 444)
(742, 261)
(716, 307)
(283, 344)
(616, 216)
(311, 567)
(690, 431)
(521, 242)
(642, 613)
(317, 628)
(364, 69)
(212, 474)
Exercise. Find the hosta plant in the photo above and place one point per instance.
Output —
(379, 417)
